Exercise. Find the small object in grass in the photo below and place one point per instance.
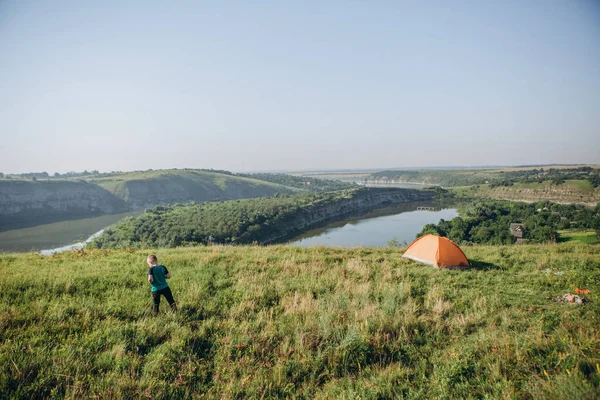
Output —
(570, 298)
(582, 291)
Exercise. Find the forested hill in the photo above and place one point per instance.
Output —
(30, 202)
(252, 220)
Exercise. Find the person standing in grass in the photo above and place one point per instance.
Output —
(157, 276)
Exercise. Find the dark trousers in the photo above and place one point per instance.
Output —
(168, 295)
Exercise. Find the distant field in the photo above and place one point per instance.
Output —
(529, 168)
(584, 186)
(577, 185)
(585, 237)
(333, 175)
(577, 192)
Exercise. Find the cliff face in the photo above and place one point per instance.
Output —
(28, 203)
(558, 194)
(363, 201)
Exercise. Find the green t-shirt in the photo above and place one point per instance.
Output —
(159, 280)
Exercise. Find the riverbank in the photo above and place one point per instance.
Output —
(376, 229)
(266, 220)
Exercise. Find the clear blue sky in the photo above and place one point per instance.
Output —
(280, 85)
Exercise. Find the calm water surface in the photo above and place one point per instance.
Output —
(374, 230)
(58, 235)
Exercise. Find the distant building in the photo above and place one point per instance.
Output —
(517, 230)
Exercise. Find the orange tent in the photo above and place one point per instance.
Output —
(438, 251)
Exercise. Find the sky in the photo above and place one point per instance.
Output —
(306, 85)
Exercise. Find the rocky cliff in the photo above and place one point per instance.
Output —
(29, 203)
(362, 201)
(556, 193)
(25, 203)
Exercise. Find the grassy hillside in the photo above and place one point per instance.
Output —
(571, 191)
(284, 321)
(147, 188)
(567, 183)
(25, 203)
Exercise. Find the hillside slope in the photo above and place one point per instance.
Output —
(28, 203)
(576, 192)
(150, 188)
(283, 321)
(25, 203)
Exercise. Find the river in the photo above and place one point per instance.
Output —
(375, 229)
(58, 235)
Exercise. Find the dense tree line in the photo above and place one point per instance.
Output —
(488, 221)
(234, 221)
(302, 182)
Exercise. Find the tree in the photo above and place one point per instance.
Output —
(459, 230)
(481, 234)
(429, 229)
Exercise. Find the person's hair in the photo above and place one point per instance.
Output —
(152, 258)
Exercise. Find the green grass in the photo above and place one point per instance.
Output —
(282, 321)
(468, 191)
(571, 191)
(585, 237)
(218, 179)
(578, 185)
(531, 185)
(110, 184)
(581, 185)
